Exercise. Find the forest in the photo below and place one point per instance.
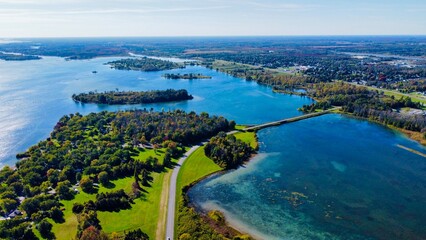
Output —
(90, 150)
(144, 64)
(132, 97)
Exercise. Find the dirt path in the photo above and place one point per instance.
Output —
(160, 234)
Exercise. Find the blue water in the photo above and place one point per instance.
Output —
(329, 177)
(35, 94)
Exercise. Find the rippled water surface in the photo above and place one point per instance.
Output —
(330, 177)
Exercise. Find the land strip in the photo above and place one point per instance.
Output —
(289, 120)
(411, 150)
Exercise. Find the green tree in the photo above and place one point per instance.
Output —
(45, 228)
(86, 184)
(57, 215)
(103, 178)
(64, 190)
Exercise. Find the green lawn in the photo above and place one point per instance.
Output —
(240, 127)
(195, 167)
(143, 214)
(143, 154)
(68, 229)
(414, 96)
(248, 137)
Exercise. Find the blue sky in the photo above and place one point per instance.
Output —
(77, 18)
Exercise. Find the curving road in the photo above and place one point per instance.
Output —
(171, 206)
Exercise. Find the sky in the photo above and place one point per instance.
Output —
(102, 18)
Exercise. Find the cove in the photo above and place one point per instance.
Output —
(330, 177)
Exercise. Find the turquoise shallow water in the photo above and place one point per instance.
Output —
(330, 177)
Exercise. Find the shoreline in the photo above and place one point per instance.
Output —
(230, 226)
(415, 136)
(231, 221)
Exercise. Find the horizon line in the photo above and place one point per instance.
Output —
(221, 36)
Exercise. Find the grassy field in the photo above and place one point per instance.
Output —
(225, 65)
(248, 137)
(144, 213)
(414, 96)
(143, 154)
(197, 166)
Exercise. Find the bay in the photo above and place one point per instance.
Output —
(330, 177)
(35, 94)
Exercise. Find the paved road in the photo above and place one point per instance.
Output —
(171, 206)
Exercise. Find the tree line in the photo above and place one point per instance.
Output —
(144, 64)
(132, 97)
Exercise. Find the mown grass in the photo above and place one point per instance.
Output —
(143, 154)
(68, 229)
(240, 127)
(143, 214)
(414, 96)
(248, 137)
(197, 166)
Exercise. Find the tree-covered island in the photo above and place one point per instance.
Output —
(17, 57)
(132, 97)
(96, 174)
(188, 76)
(144, 64)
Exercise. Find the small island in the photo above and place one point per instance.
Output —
(188, 76)
(17, 57)
(144, 64)
(133, 97)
